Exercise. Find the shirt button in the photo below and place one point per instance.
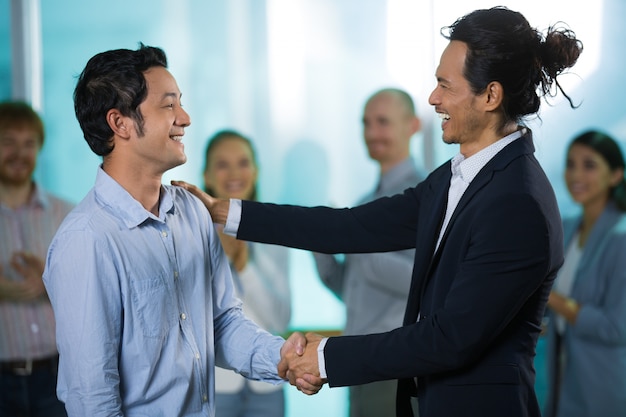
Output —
(198, 356)
(183, 316)
(175, 274)
(205, 398)
(164, 233)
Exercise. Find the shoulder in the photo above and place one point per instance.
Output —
(195, 215)
(612, 244)
(89, 219)
(51, 200)
(185, 201)
(612, 223)
(182, 196)
(60, 205)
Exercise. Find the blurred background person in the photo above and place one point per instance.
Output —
(587, 305)
(260, 273)
(374, 287)
(29, 217)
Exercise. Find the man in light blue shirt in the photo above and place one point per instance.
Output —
(140, 286)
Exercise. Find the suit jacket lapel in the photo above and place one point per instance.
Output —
(434, 200)
(603, 226)
(516, 148)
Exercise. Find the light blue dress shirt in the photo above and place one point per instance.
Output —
(145, 308)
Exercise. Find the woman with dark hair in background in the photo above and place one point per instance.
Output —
(260, 273)
(587, 305)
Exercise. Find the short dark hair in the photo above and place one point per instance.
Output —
(20, 115)
(609, 150)
(220, 137)
(503, 47)
(113, 80)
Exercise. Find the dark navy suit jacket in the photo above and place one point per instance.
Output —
(480, 296)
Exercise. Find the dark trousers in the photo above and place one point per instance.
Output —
(30, 395)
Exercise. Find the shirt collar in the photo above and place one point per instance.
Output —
(468, 168)
(395, 174)
(110, 193)
(39, 197)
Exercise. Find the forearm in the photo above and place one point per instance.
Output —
(219, 211)
(564, 306)
(245, 348)
(326, 230)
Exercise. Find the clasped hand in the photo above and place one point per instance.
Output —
(298, 362)
(30, 267)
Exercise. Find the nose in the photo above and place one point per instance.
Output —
(182, 118)
(433, 99)
(572, 172)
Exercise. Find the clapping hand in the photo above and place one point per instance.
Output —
(30, 267)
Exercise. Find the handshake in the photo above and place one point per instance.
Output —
(299, 364)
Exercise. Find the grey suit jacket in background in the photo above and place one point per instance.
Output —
(594, 383)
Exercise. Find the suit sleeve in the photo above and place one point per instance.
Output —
(602, 321)
(386, 224)
(505, 260)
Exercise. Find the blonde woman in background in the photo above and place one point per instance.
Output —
(260, 273)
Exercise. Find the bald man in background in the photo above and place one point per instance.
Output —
(374, 287)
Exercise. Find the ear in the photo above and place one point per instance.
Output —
(416, 124)
(255, 176)
(617, 176)
(493, 96)
(120, 124)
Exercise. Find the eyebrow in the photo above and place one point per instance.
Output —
(173, 95)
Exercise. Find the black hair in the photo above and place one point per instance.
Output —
(113, 80)
(607, 147)
(503, 47)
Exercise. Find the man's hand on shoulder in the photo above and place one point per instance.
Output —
(216, 206)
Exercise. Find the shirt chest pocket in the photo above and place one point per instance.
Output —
(153, 305)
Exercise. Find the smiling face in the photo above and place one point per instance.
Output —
(387, 129)
(589, 177)
(158, 144)
(463, 120)
(231, 171)
(19, 147)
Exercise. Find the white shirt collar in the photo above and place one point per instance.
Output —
(468, 168)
